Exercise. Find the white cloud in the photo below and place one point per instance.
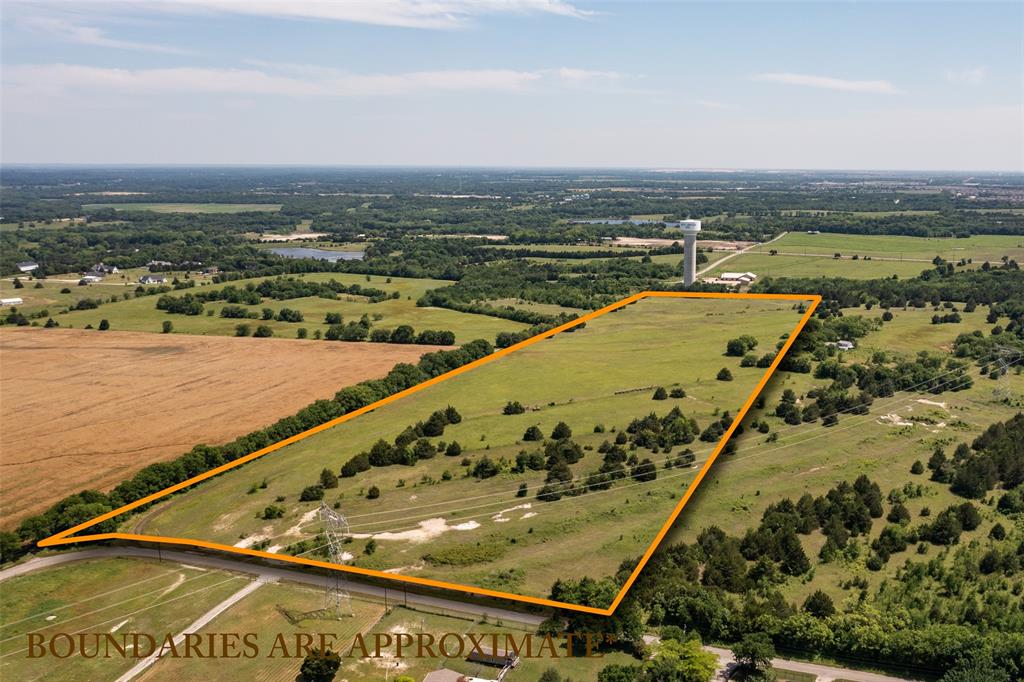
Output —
(425, 14)
(877, 86)
(89, 35)
(975, 76)
(55, 79)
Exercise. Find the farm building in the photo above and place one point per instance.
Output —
(7, 302)
(152, 279)
(90, 279)
(159, 264)
(741, 277)
(28, 266)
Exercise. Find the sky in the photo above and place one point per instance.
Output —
(556, 83)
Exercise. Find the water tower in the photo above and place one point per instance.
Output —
(690, 229)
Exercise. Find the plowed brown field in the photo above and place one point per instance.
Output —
(86, 409)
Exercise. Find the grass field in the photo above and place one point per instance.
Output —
(811, 458)
(140, 314)
(980, 248)
(614, 364)
(403, 620)
(87, 409)
(260, 613)
(186, 208)
(764, 265)
(100, 596)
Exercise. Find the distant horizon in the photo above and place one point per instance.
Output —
(454, 166)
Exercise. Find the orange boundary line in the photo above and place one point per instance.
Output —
(64, 537)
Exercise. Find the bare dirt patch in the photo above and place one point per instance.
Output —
(85, 409)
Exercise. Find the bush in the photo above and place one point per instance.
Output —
(167, 327)
(373, 493)
(272, 512)
(328, 479)
(312, 493)
(724, 374)
(533, 433)
(513, 407)
(660, 394)
(561, 430)
(104, 325)
(242, 330)
(263, 332)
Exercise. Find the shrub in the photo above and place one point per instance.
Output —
(242, 330)
(273, 512)
(513, 407)
(312, 493)
(167, 327)
(263, 332)
(104, 325)
(660, 394)
(533, 433)
(561, 430)
(328, 479)
(724, 374)
(373, 493)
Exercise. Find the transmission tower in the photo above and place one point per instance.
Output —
(337, 600)
(1005, 357)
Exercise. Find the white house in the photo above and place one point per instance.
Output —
(90, 279)
(152, 279)
(844, 345)
(28, 266)
(7, 302)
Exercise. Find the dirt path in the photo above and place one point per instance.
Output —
(86, 409)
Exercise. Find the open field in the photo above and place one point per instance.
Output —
(764, 265)
(882, 444)
(186, 208)
(86, 409)
(259, 613)
(140, 314)
(101, 596)
(979, 247)
(615, 363)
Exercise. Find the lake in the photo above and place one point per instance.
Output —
(317, 254)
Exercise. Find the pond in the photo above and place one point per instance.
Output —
(316, 254)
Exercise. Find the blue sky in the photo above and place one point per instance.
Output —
(918, 85)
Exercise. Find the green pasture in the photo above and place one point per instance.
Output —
(140, 313)
(764, 265)
(603, 374)
(979, 247)
(265, 613)
(101, 596)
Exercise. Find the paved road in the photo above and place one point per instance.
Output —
(272, 574)
(825, 673)
(198, 625)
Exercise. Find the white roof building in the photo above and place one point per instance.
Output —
(738, 276)
(7, 302)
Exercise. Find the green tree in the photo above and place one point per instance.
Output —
(533, 433)
(660, 393)
(754, 654)
(320, 666)
(328, 479)
(561, 430)
(550, 675)
(724, 374)
(167, 327)
(819, 605)
(676, 661)
(373, 493)
(104, 325)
